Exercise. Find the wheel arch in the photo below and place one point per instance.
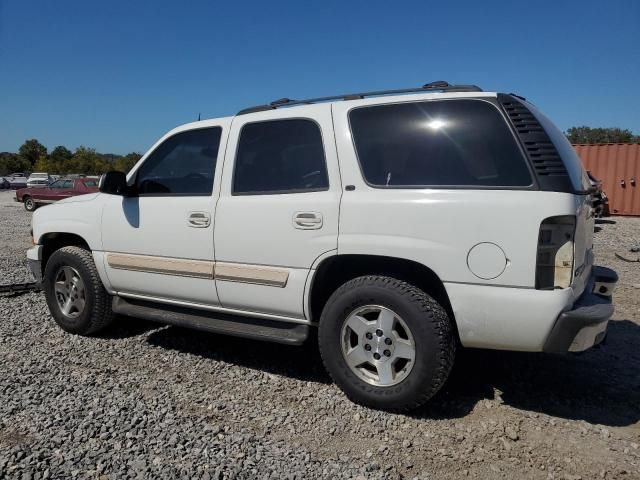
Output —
(338, 269)
(53, 241)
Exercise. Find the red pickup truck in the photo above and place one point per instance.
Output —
(63, 188)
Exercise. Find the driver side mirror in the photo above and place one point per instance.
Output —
(114, 183)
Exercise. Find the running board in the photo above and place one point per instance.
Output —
(216, 322)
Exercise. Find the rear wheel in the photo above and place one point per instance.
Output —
(75, 295)
(386, 343)
(29, 204)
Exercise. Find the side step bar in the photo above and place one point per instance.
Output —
(239, 326)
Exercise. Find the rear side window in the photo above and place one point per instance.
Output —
(280, 156)
(184, 164)
(438, 143)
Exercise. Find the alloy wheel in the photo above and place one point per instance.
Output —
(378, 346)
(69, 291)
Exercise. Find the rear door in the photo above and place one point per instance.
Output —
(278, 208)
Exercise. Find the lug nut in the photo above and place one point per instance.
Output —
(387, 341)
(379, 332)
(376, 356)
(369, 336)
(367, 347)
(387, 353)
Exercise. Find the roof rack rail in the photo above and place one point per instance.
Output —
(439, 85)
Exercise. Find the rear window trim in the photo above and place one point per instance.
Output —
(280, 192)
(533, 186)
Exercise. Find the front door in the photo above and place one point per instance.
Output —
(278, 208)
(159, 243)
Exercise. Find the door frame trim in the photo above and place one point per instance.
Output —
(162, 265)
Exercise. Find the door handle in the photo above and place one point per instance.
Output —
(199, 219)
(307, 220)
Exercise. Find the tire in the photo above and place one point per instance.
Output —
(74, 266)
(411, 382)
(29, 204)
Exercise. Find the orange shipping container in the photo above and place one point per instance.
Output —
(618, 166)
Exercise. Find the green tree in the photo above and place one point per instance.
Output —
(59, 159)
(60, 154)
(126, 163)
(584, 134)
(43, 164)
(85, 160)
(10, 163)
(31, 150)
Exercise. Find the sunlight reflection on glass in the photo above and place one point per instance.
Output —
(436, 124)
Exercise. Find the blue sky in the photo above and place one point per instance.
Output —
(115, 75)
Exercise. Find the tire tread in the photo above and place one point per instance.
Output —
(432, 311)
(102, 314)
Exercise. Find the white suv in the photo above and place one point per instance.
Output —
(400, 224)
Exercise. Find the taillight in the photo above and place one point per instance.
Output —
(554, 265)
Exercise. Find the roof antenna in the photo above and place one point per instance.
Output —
(198, 116)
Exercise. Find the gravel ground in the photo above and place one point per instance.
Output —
(149, 401)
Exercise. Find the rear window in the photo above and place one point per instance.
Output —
(437, 143)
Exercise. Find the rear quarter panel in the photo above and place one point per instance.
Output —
(438, 228)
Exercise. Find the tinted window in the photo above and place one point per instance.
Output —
(57, 184)
(438, 143)
(183, 164)
(280, 156)
(67, 184)
(90, 183)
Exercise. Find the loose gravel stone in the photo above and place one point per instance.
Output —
(150, 401)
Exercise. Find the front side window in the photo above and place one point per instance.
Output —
(437, 143)
(57, 184)
(280, 156)
(184, 164)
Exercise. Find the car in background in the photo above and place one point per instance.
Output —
(32, 197)
(600, 201)
(38, 178)
(17, 181)
(4, 183)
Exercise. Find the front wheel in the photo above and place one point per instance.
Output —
(75, 295)
(29, 204)
(386, 343)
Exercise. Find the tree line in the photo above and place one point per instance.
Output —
(591, 135)
(32, 156)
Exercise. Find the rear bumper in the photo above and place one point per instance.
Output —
(529, 320)
(585, 325)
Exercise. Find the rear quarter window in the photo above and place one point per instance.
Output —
(447, 143)
(570, 158)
